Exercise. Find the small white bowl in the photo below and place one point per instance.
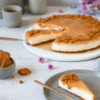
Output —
(8, 71)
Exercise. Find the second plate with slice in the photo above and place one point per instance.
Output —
(90, 78)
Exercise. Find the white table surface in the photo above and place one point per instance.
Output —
(11, 89)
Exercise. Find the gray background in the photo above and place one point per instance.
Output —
(58, 2)
(61, 2)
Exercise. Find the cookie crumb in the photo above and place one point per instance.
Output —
(12, 76)
(21, 82)
(24, 71)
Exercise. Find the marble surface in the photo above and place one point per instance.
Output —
(11, 89)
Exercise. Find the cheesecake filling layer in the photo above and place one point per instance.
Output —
(64, 47)
(41, 38)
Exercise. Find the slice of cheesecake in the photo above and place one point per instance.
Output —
(72, 83)
(35, 37)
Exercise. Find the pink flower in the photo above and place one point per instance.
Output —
(41, 60)
(83, 1)
(51, 67)
(89, 6)
(95, 3)
(60, 11)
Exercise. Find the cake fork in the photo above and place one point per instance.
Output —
(54, 90)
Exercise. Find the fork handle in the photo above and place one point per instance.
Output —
(54, 90)
(7, 38)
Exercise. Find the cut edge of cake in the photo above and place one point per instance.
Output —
(67, 47)
(35, 37)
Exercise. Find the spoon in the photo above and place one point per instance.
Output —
(6, 38)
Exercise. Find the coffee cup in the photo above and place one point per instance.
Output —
(12, 15)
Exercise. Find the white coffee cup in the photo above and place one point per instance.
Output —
(12, 15)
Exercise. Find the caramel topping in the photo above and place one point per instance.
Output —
(79, 38)
(37, 32)
(24, 71)
(5, 60)
(78, 28)
(64, 20)
(69, 79)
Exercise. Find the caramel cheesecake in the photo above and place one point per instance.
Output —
(72, 83)
(35, 37)
(72, 33)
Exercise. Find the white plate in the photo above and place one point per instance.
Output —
(49, 54)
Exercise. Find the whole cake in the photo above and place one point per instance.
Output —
(78, 32)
